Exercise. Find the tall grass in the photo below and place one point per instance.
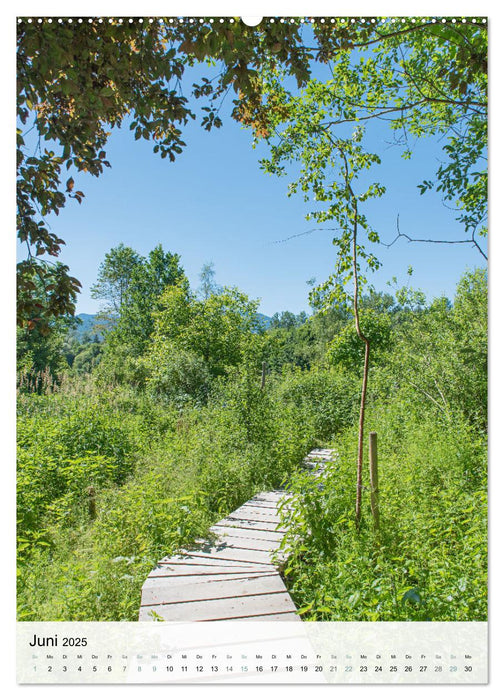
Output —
(428, 560)
(161, 477)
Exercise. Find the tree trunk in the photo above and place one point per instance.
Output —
(365, 371)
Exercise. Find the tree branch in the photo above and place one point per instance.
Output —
(304, 233)
(432, 240)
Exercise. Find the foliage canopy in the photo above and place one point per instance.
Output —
(78, 81)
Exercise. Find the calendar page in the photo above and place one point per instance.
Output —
(252, 349)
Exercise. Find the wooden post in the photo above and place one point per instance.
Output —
(263, 377)
(91, 502)
(373, 473)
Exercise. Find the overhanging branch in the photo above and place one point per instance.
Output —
(304, 233)
(410, 239)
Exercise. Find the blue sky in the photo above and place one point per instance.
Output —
(214, 204)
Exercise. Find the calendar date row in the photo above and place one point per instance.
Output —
(317, 668)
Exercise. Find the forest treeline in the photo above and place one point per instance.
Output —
(134, 440)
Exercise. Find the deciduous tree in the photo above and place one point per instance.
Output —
(214, 329)
(77, 81)
(423, 78)
(114, 278)
(142, 298)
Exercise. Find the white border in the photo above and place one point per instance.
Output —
(7, 194)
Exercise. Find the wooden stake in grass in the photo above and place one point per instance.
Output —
(373, 473)
(91, 493)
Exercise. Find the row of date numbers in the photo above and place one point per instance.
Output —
(270, 669)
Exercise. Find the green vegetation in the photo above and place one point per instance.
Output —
(116, 469)
(160, 478)
(76, 83)
(133, 440)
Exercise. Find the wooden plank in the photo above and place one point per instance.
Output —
(262, 499)
(249, 524)
(265, 500)
(169, 582)
(255, 545)
(257, 514)
(214, 556)
(200, 557)
(202, 561)
(262, 505)
(274, 496)
(210, 563)
(213, 590)
(216, 568)
(267, 535)
(234, 554)
(258, 509)
(247, 542)
(223, 609)
(144, 616)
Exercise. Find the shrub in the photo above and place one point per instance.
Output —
(428, 561)
(177, 374)
(322, 401)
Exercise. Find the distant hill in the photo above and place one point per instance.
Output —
(265, 321)
(90, 324)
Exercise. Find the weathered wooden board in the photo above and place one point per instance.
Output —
(223, 608)
(208, 558)
(262, 506)
(169, 582)
(212, 590)
(218, 568)
(268, 497)
(231, 553)
(179, 579)
(261, 515)
(254, 534)
(146, 616)
(250, 523)
(255, 562)
(272, 549)
(253, 544)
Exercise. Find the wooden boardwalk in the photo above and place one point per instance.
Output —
(232, 576)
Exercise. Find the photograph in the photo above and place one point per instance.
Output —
(251, 349)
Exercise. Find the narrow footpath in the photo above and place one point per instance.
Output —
(232, 576)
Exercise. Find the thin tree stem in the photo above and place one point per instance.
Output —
(365, 372)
